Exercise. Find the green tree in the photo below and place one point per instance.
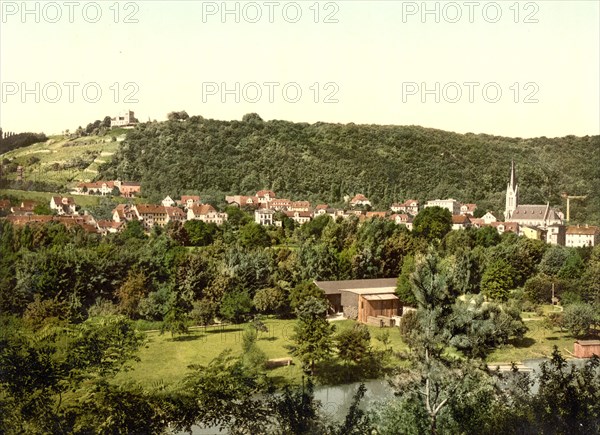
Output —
(432, 223)
(578, 318)
(497, 280)
(312, 334)
(353, 344)
(253, 235)
(235, 306)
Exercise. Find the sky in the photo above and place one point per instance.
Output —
(507, 68)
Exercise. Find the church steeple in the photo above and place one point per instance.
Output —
(512, 193)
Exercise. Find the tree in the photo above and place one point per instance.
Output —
(199, 233)
(497, 280)
(404, 288)
(353, 344)
(312, 334)
(432, 223)
(578, 318)
(303, 292)
(235, 306)
(131, 292)
(203, 312)
(269, 300)
(253, 235)
(133, 230)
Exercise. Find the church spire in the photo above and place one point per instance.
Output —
(513, 175)
(512, 193)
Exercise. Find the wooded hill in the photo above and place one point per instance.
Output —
(325, 162)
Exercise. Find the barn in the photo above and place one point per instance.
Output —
(371, 301)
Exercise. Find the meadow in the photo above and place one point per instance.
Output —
(165, 359)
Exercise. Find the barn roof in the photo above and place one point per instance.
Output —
(359, 286)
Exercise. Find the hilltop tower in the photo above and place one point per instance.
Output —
(512, 193)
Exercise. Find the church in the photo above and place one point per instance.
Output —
(527, 214)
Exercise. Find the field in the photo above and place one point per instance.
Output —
(65, 161)
(165, 359)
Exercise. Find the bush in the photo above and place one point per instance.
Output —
(410, 322)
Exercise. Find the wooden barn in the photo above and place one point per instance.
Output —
(370, 301)
(586, 348)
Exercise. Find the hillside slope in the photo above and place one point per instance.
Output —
(325, 162)
(60, 160)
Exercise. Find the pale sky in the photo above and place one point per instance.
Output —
(376, 62)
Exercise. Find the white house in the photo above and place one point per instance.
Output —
(264, 216)
(168, 202)
(579, 236)
(452, 205)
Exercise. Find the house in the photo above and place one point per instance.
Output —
(151, 215)
(468, 209)
(299, 206)
(535, 233)
(371, 301)
(129, 189)
(489, 217)
(578, 236)
(556, 234)
(265, 197)
(189, 200)
(175, 214)
(300, 217)
(63, 205)
(95, 188)
(375, 214)
(123, 213)
(410, 206)
(123, 119)
(477, 222)
(168, 202)
(280, 204)
(452, 205)
(206, 213)
(360, 200)
(109, 227)
(264, 216)
(506, 227)
(25, 208)
(242, 201)
(321, 209)
(403, 219)
(460, 222)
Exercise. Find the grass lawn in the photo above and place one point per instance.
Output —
(537, 343)
(165, 359)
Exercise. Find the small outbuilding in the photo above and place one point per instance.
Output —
(586, 348)
(370, 301)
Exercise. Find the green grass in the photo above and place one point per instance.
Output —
(166, 360)
(537, 343)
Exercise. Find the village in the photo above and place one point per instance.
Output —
(534, 221)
